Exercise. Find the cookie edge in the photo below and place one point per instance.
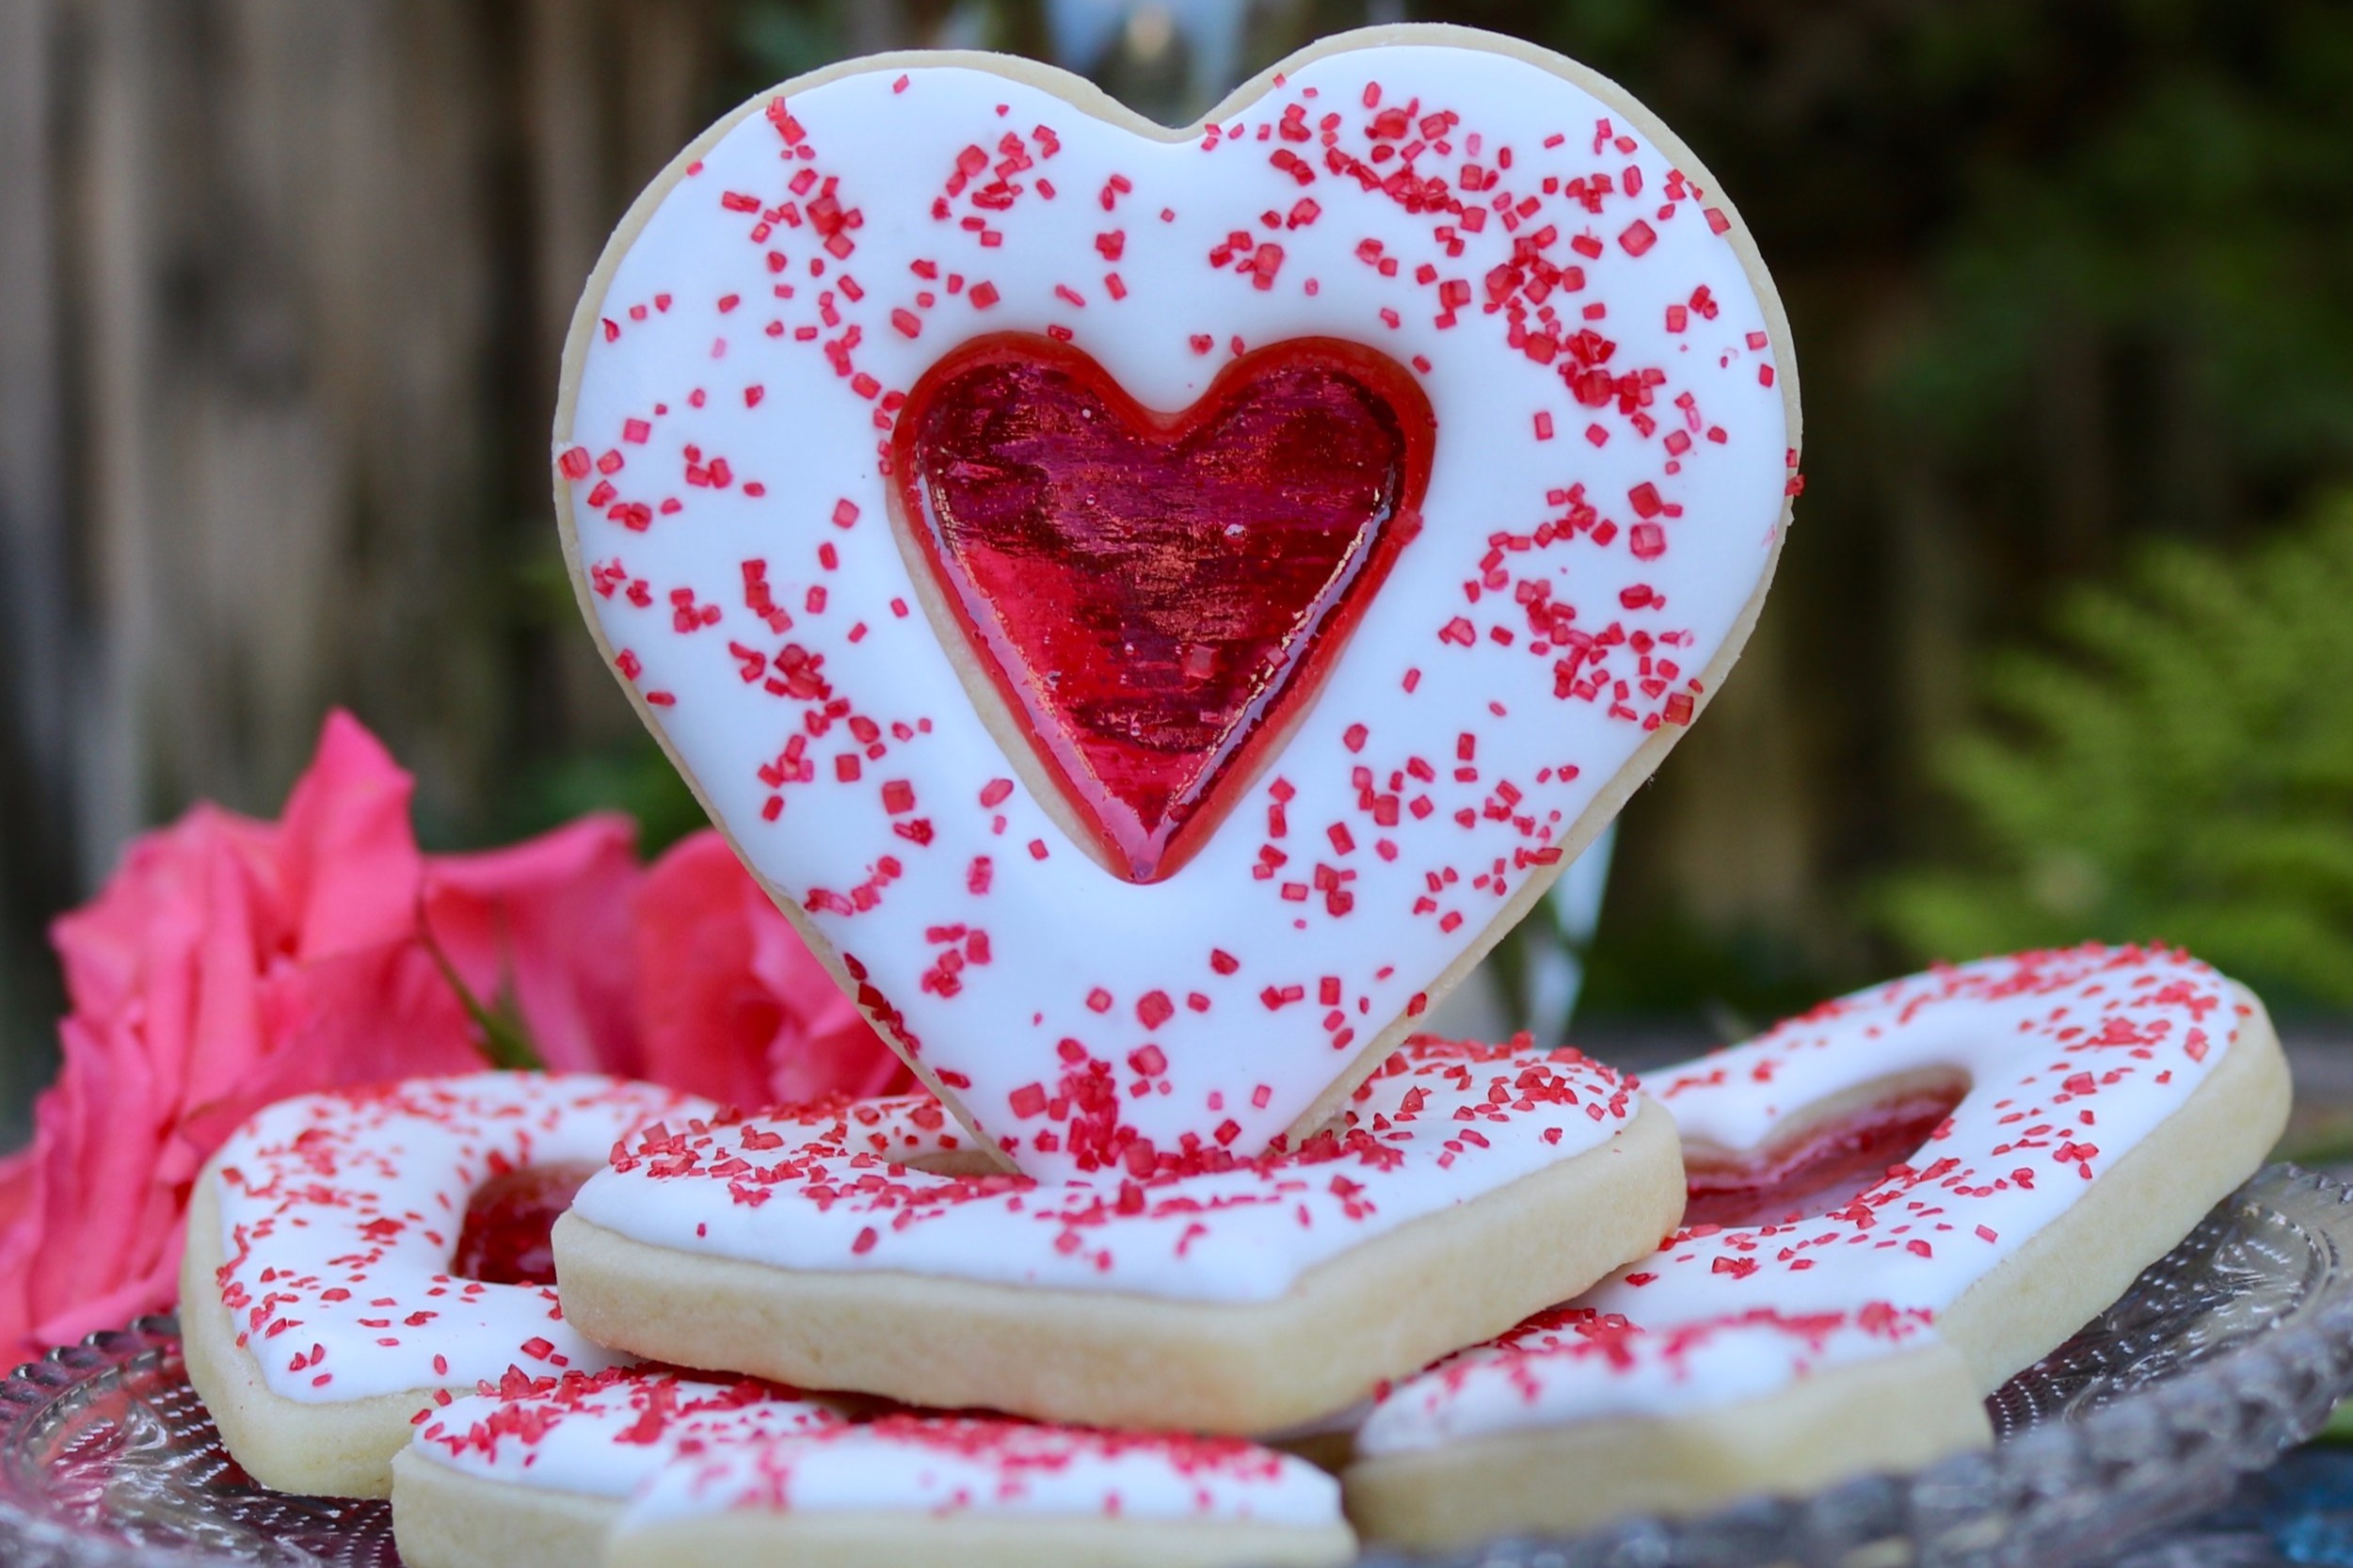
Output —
(338, 1449)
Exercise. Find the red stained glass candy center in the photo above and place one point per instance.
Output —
(1156, 597)
(510, 1223)
(1825, 1170)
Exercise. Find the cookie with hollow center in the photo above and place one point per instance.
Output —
(1153, 607)
(1850, 1300)
(1465, 1187)
(322, 1304)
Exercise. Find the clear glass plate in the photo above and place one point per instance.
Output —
(2224, 1355)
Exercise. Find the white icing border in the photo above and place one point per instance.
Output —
(917, 1466)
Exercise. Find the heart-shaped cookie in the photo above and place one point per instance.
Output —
(1155, 606)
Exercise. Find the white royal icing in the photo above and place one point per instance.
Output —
(340, 1214)
(604, 1434)
(824, 1188)
(734, 405)
(2072, 1058)
(1599, 1366)
(948, 1465)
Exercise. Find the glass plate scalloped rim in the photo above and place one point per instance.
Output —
(2225, 1353)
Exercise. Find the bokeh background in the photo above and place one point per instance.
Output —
(2062, 645)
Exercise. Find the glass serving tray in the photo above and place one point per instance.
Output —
(2224, 1355)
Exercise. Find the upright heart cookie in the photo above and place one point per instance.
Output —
(1155, 606)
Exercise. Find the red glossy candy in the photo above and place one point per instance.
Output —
(509, 1221)
(1825, 1170)
(1158, 597)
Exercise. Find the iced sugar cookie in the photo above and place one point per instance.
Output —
(1154, 606)
(986, 1494)
(320, 1297)
(1465, 1187)
(534, 1474)
(2071, 1116)
(1669, 1422)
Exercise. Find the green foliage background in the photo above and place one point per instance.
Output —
(2181, 769)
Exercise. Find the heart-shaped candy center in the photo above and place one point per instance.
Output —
(1156, 597)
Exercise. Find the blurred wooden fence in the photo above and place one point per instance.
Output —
(282, 285)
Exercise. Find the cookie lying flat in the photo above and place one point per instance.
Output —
(1673, 1422)
(534, 1475)
(2112, 1097)
(318, 1309)
(984, 1493)
(1467, 1186)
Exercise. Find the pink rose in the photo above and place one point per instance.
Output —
(730, 1003)
(232, 963)
(543, 929)
(227, 963)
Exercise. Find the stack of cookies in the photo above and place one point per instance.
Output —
(1154, 609)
